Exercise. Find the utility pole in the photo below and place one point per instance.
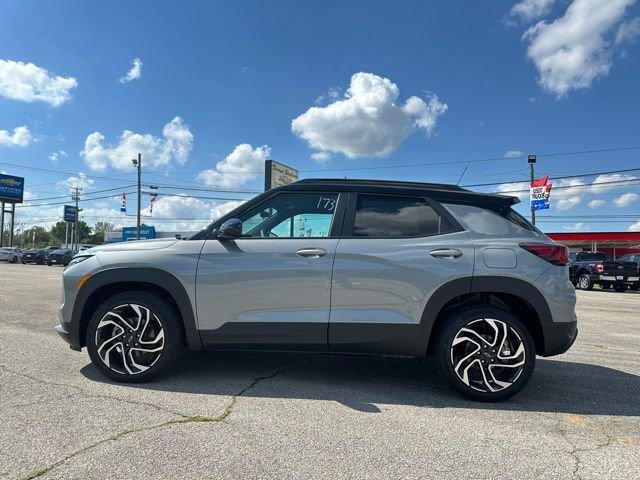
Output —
(138, 164)
(75, 196)
(532, 162)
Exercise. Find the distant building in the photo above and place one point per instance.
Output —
(614, 244)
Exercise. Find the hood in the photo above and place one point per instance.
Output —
(154, 244)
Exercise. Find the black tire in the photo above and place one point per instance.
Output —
(458, 319)
(605, 285)
(620, 288)
(584, 282)
(164, 313)
(635, 286)
(14, 260)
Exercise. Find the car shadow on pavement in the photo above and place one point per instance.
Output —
(362, 383)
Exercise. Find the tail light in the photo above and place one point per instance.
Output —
(599, 268)
(552, 253)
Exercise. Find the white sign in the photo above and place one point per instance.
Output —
(277, 174)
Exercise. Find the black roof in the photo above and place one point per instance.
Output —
(438, 191)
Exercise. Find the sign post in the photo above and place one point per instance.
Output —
(278, 174)
(12, 192)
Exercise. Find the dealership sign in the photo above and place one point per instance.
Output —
(131, 233)
(11, 188)
(540, 193)
(70, 213)
(277, 174)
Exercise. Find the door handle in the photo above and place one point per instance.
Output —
(311, 252)
(446, 253)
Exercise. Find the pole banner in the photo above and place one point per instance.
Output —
(123, 202)
(540, 194)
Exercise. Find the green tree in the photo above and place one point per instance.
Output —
(99, 230)
(37, 237)
(58, 232)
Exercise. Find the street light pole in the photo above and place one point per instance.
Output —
(138, 163)
(532, 162)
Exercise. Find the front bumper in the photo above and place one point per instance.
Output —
(66, 337)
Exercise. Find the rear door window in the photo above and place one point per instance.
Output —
(396, 216)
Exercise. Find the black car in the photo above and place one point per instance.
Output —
(32, 256)
(60, 257)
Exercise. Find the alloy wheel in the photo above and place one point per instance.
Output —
(129, 339)
(488, 355)
(584, 282)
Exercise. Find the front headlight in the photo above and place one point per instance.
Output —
(78, 259)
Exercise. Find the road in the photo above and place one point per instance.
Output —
(238, 415)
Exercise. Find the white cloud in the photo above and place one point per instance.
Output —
(134, 73)
(513, 153)
(21, 137)
(568, 203)
(625, 199)
(602, 183)
(188, 213)
(239, 167)
(79, 181)
(593, 204)
(580, 226)
(367, 122)
(628, 31)
(30, 83)
(321, 158)
(56, 156)
(634, 227)
(573, 51)
(528, 10)
(175, 145)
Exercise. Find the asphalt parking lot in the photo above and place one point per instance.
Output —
(232, 415)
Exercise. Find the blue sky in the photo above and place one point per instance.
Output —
(323, 87)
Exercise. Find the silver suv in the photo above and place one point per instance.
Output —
(335, 266)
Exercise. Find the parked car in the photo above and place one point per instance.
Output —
(596, 268)
(10, 254)
(31, 255)
(635, 258)
(60, 257)
(335, 266)
(43, 256)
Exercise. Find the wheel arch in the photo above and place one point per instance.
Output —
(107, 283)
(511, 294)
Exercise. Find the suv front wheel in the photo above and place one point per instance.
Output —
(133, 336)
(485, 353)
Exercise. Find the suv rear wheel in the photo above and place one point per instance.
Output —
(485, 353)
(133, 336)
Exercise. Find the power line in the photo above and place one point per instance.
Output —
(588, 185)
(564, 177)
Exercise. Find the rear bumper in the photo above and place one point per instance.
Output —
(616, 278)
(558, 337)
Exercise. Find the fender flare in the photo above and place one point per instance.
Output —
(483, 284)
(148, 275)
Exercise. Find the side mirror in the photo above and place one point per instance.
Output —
(232, 228)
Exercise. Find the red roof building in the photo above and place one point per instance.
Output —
(614, 244)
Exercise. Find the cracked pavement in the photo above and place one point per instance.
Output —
(266, 415)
